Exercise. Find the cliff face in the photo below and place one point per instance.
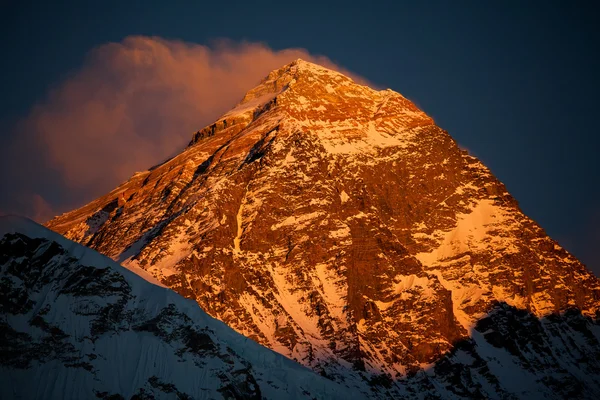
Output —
(340, 227)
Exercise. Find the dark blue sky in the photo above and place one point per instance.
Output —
(514, 82)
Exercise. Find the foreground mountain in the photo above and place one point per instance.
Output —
(78, 326)
(339, 226)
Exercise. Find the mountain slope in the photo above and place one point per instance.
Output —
(76, 325)
(339, 226)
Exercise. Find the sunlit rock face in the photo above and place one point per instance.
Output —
(339, 226)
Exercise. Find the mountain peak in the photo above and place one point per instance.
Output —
(311, 94)
(281, 79)
(302, 66)
(338, 225)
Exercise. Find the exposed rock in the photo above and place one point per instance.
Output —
(339, 226)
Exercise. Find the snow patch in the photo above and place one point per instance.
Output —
(471, 234)
(344, 197)
(300, 221)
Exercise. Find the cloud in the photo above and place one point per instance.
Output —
(131, 105)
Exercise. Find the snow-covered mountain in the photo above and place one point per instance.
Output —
(340, 227)
(76, 325)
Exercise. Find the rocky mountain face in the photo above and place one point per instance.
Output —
(75, 325)
(340, 227)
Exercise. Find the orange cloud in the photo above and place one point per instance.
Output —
(134, 104)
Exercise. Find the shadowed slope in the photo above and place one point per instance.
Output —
(76, 325)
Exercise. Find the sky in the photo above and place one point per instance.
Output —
(91, 92)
